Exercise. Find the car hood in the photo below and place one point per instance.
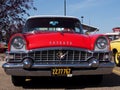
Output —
(117, 40)
(57, 39)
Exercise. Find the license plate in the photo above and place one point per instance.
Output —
(61, 71)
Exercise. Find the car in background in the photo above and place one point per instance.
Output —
(113, 35)
(115, 47)
(114, 38)
(3, 47)
(55, 46)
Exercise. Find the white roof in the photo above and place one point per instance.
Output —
(37, 16)
(113, 33)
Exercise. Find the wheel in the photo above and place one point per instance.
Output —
(117, 58)
(18, 80)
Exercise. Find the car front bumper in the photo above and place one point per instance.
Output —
(45, 70)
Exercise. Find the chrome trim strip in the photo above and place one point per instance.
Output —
(57, 48)
(36, 65)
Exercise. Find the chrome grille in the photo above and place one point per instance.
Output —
(48, 56)
(54, 57)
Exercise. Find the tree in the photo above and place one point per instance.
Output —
(12, 14)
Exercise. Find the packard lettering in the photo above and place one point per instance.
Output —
(60, 43)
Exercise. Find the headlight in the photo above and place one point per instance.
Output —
(18, 43)
(101, 44)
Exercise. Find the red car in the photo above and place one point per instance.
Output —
(55, 46)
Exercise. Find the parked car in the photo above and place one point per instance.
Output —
(3, 47)
(115, 47)
(55, 46)
(113, 35)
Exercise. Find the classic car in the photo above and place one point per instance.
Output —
(55, 46)
(115, 48)
(112, 36)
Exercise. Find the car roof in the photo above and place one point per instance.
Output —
(112, 33)
(52, 16)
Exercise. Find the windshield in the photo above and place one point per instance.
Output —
(53, 24)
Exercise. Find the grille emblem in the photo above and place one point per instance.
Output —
(61, 55)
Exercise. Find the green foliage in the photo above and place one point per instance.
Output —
(12, 14)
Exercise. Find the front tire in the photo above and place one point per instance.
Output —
(117, 58)
(18, 80)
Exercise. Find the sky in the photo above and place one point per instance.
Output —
(103, 14)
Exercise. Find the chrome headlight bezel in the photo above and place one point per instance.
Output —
(101, 44)
(18, 44)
